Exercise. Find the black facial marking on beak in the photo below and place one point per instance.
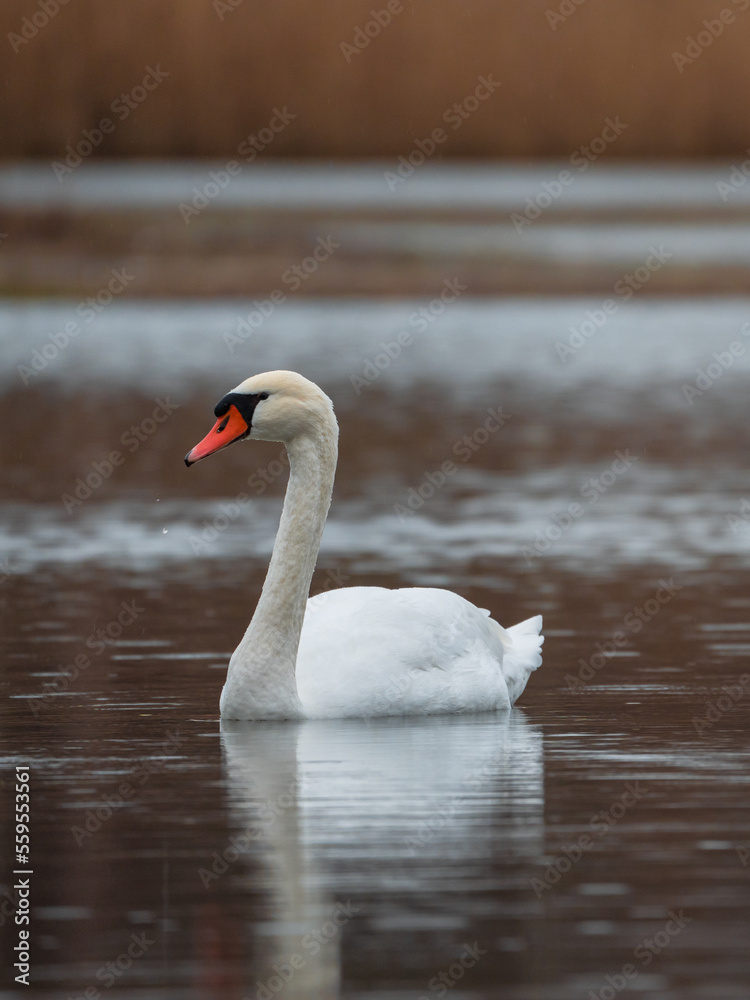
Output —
(244, 402)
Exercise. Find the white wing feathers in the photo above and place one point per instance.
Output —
(367, 651)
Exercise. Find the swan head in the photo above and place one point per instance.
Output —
(274, 406)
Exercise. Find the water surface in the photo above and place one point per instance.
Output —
(595, 838)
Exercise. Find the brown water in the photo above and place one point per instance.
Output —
(596, 840)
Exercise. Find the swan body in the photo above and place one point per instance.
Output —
(357, 651)
(415, 651)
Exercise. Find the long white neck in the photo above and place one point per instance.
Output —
(261, 682)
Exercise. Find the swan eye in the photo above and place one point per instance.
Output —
(262, 395)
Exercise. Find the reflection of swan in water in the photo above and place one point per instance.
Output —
(341, 808)
(356, 651)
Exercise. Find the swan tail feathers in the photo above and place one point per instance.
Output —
(524, 654)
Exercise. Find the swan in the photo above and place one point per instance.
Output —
(355, 651)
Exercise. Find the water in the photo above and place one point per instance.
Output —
(435, 186)
(596, 839)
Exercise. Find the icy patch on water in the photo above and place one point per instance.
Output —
(167, 346)
(436, 186)
(652, 516)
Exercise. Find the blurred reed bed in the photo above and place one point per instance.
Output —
(363, 84)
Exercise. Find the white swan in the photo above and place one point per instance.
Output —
(357, 651)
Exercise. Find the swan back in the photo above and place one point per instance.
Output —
(413, 651)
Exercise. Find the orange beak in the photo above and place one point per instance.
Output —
(231, 427)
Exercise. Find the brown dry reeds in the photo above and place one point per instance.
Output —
(232, 62)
